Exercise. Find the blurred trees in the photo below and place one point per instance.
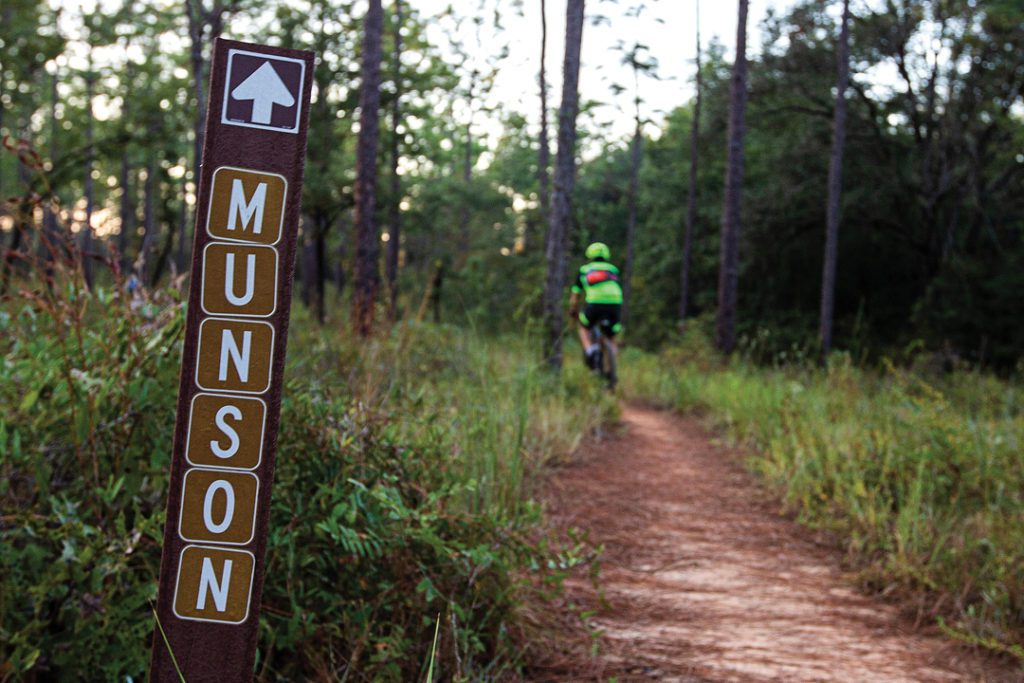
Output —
(367, 272)
(565, 178)
(728, 267)
(835, 184)
(930, 240)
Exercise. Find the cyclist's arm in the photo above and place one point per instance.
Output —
(574, 304)
(574, 299)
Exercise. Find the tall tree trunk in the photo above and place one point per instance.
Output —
(197, 20)
(89, 160)
(127, 208)
(164, 259)
(543, 149)
(691, 195)
(52, 242)
(22, 218)
(728, 273)
(314, 264)
(467, 173)
(394, 222)
(565, 177)
(142, 262)
(203, 26)
(320, 263)
(467, 179)
(634, 182)
(304, 263)
(367, 277)
(339, 266)
(835, 186)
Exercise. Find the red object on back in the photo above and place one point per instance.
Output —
(597, 276)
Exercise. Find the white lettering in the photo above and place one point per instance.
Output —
(208, 584)
(229, 350)
(229, 509)
(229, 280)
(228, 430)
(251, 210)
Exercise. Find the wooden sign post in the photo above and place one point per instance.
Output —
(229, 401)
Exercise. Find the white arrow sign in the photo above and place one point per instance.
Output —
(265, 88)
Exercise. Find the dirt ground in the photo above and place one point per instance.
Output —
(704, 580)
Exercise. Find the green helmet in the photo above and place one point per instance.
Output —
(599, 250)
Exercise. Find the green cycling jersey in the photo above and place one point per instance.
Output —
(598, 281)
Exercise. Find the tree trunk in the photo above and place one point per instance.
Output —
(142, 263)
(544, 149)
(467, 179)
(203, 27)
(339, 267)
(304, 262)
(127, 209)
(197, 30)
(728, 273)
(320, 263)
(314, 264)
(565, 177)
(89, 160)
(634, 182)
(22, 220)
(52, 242)
(394, 222)
(164, 258)
(367, 240)
(691, 195)
(835, 186)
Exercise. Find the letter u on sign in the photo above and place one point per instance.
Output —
(239, 280)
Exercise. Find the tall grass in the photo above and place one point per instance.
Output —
(921, 477)
(404, 465)
(503, 413)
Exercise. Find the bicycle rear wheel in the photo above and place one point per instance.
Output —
(608, 364)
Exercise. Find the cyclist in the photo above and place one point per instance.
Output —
(598, 282)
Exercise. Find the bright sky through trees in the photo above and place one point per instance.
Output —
(671, 42)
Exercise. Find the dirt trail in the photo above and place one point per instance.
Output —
(705, 581)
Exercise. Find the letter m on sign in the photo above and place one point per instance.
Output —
(246, 205)
(247, 211)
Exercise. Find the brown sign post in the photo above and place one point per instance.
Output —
(229, 401)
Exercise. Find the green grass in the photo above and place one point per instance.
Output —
(404, 471)
(921, 478)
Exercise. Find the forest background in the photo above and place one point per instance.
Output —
(102, 117)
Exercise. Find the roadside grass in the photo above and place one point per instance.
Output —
(920, 476)
(404, 469)
(504, 414)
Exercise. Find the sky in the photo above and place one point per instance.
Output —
(672, 43)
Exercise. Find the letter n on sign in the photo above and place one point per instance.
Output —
(229, 400)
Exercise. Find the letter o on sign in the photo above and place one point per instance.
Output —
(229, 510)
(218, 506)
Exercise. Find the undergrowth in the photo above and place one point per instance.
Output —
(400, 505)
(920, 475)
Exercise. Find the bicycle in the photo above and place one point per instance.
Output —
(604, 363)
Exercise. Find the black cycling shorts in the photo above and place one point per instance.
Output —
(608, 316)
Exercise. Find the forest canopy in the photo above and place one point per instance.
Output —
(930, 251)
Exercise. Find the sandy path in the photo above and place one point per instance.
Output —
(705, 581)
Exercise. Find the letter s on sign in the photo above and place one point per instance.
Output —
(228, 430)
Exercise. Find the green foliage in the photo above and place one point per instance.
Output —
(401, 493)
(84, 454)
(921, 480)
